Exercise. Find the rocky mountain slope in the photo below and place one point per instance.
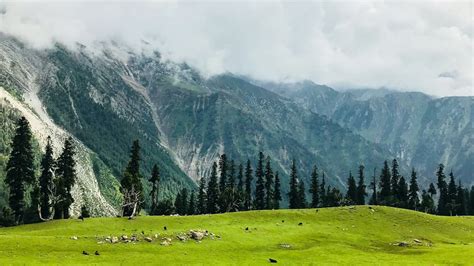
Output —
(420, 129)
(108, 95)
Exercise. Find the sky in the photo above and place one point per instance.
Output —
(422, 46)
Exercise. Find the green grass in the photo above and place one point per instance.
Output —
(332, 235)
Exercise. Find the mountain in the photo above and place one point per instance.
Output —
(422, 130)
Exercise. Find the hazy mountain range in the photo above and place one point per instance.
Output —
(107, 96)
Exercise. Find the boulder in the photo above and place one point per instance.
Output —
(417, 241)
(148, 239)
(114, 240)
(285, 245)
(74, 237)
(181, 237)
(124, 238)
(196, 235)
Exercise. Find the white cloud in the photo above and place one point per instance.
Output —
(404, 45)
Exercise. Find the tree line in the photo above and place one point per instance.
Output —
(34, 197)
(229, 187)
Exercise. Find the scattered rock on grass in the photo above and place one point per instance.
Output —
(196, 235)
(148, 239)
(417, 241)
(74, 237)
(285, 245)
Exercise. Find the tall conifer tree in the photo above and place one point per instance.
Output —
(202, 197)
(66, 178)
(20, 170)
(248, 186)
(413, 199)
(132, 187)
(293, 193)
(361, 192)
(260, 184)
(402, 192)
(314, 190)
(269, 199)
(277, 192)
(443, 191)
(395, 190)
(155, 182)
(351, 195)
(46, 181)
(385, 185)
(213, 191)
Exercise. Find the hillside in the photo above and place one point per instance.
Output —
(421, 130)
(331, 235)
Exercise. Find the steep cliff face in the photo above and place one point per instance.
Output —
(422, 130)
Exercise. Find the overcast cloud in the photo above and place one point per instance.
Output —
(422, 46)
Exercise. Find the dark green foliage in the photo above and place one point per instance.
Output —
(351, 195)
(361, 193)
(293, 193)
(413, 199)
(231, 177)
(301, 195)
(213, 191)
(402, 193)
(395, 189)
(443, 191)
(248, 186)
(131, 180)
(260, 184)
(269, 199)
(46, 181)
(155, 182)
(333, 197)
(201, 201)
(432, 190)
(385, 196)
(314, 189)
(85, 212)
(223, 169)
(192, 205)
(471, 201)
(461, 200)
(427, 202)
(240, 187)
(452, 203)
(181, 202)
(374, 198)
(20, 169)
(165, 207)
(65, 179)
(277, 192)
(322, 191)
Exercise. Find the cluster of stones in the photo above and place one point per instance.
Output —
(196, 235)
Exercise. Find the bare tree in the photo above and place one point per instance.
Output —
(131, 202)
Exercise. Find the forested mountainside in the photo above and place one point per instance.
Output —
(422, 130)
(109, 95)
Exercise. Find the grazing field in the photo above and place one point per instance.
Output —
(349, 235)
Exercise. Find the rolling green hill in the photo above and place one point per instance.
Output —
(348, 235)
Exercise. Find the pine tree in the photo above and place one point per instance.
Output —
(301, 195)
(293, 194)
(413, 200)
(402, 192)
(374, 199)
(260, 184)
(334, 197)
(201, 205)
(192, 205)
(240, 187)
(361, 193)
(322, 191)
(471, 201)
(155, 181)
(248, 186)
(178, 203)
(20, 170)
(231, 176)
(46, 181)
(432, 190)
(184, 201)
(427, 202)
(443, 191)
(268, 185)
(461, 200)
(452, 195)
(351, 195)
(314, 190)
(131, 184)
(395, 189)
(223, 169)
(213, 191)
(277, 192)
(66, 178)
(385, 196)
